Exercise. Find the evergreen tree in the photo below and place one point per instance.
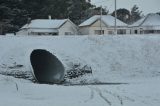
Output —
(136, 14)
(127, 16)
(15, 13)
(56, 8)
(123, 15)
(34, 7)
(78, 9)
(97, 11)
(7, 10)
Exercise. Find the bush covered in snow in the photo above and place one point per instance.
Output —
(78, 70)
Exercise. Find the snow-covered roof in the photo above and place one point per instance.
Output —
(149, 20)
(45, 23)
(107, 19)
(44, 30)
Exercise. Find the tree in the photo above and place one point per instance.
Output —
(136, 14)
(34, 7)
(97, 11)
(127, 16)
(78, 10)
(7, 10)
(15, 13)
(56, 8)
(123, 15)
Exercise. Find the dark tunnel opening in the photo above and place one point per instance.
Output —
(46, 67)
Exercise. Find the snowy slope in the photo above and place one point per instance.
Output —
(114, 58)
(125, 59)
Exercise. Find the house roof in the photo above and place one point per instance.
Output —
(107, 19)
(44, 30)
(45, 23)
(149, 20)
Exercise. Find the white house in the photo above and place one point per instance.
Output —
(98, 25)
(147, 25)
(49, 27)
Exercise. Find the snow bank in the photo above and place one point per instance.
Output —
(112, 58)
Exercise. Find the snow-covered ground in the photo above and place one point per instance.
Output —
(19, 92)
(114, 59)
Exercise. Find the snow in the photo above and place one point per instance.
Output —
(139, 22)
(117, 57)
(44, 30)
(143, 94)
(45, 23)
(107, 19)
(150, 20)
(132, 60)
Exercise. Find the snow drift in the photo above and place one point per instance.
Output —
(112, 58)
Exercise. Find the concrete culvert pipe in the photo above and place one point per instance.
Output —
(46, 67)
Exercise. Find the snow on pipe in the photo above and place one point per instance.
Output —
(46, 67)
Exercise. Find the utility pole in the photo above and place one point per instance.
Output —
(115, 14)
(1, 30)
(101, 21)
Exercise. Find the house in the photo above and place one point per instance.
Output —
(105, 24)
(147, 25)
(49, 27)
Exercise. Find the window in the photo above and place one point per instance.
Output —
(110, 32)
(158, 31)
(99, 32)
(151, 31)
(68, 33)
(52, 33)
(121, 31)
(55, 33)
(38, 33)
(136, 32)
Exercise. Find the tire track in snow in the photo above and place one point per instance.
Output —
(91, 94)
(101, 95)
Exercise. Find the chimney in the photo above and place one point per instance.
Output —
(49, 17)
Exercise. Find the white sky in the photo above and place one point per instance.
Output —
(147, 6)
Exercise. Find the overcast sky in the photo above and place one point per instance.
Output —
(147, 6)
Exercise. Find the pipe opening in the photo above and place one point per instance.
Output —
(46, 67)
